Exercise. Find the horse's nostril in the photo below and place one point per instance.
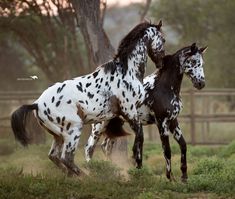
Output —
(201, 84)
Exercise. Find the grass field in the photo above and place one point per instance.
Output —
(28, 173)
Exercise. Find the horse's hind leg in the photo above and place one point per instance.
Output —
(71, 139)
(55, 152)
(175, 129)
(107, 146)
(56, 148)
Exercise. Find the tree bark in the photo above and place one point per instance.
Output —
(90, 21)
(90, 15)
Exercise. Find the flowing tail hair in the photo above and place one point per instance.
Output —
(19, 121)
(115, 128)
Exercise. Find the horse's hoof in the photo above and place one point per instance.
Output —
(88, 159)
(139, 166)
(138, 163)
(168, 175)
(184, 180)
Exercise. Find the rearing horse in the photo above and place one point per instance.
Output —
(162, 103)
(113, 89)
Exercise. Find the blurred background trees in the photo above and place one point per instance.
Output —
(207, 22)
(60, 39)
(47, 31)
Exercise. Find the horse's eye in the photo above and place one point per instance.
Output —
(194, 62)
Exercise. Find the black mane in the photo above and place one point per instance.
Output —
(128, 44)
(109, 66)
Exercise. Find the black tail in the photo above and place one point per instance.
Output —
(115, 128)
(18, 123)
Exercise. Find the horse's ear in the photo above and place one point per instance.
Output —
(193, 47)
(160, 24)
(202, 50)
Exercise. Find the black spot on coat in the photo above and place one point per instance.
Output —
(88, 84)
(76, 137)
(123, 94)
(118, 84)
(90, 95)
(58, 119)
(50, 118)
(48, 111)
(57, 104)
(68, 126)
(95, 74)
(79, 88)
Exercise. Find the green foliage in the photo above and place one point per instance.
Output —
(228, 150)
(209, 166)
(209, 177)
(201, 151)
(209, 23)
(103, 171)
(52, 41)
(213, 174)
(150, 149)
(140, 174)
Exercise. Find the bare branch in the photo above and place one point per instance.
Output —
(103, 6)
(145, 10)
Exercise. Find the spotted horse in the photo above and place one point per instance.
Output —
(162, 104)
(113, 89)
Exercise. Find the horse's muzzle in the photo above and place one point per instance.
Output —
(199, 85)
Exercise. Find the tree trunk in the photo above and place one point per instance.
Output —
(90, 15)
(90, 20)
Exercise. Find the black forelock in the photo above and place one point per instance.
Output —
(172, 59)
(187, 48)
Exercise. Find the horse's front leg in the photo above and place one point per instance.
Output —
(97, 130)
(138, 143)
(178, 136)
(163, 130)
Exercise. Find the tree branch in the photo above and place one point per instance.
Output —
(145, 10)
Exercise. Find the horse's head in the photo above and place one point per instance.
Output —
(191, 63)
(156, 43)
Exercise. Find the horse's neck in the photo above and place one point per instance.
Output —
(170, 76)
(137, 60)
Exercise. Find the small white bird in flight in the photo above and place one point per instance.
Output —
(34, 77)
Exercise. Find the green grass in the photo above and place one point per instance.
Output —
(28, 173)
